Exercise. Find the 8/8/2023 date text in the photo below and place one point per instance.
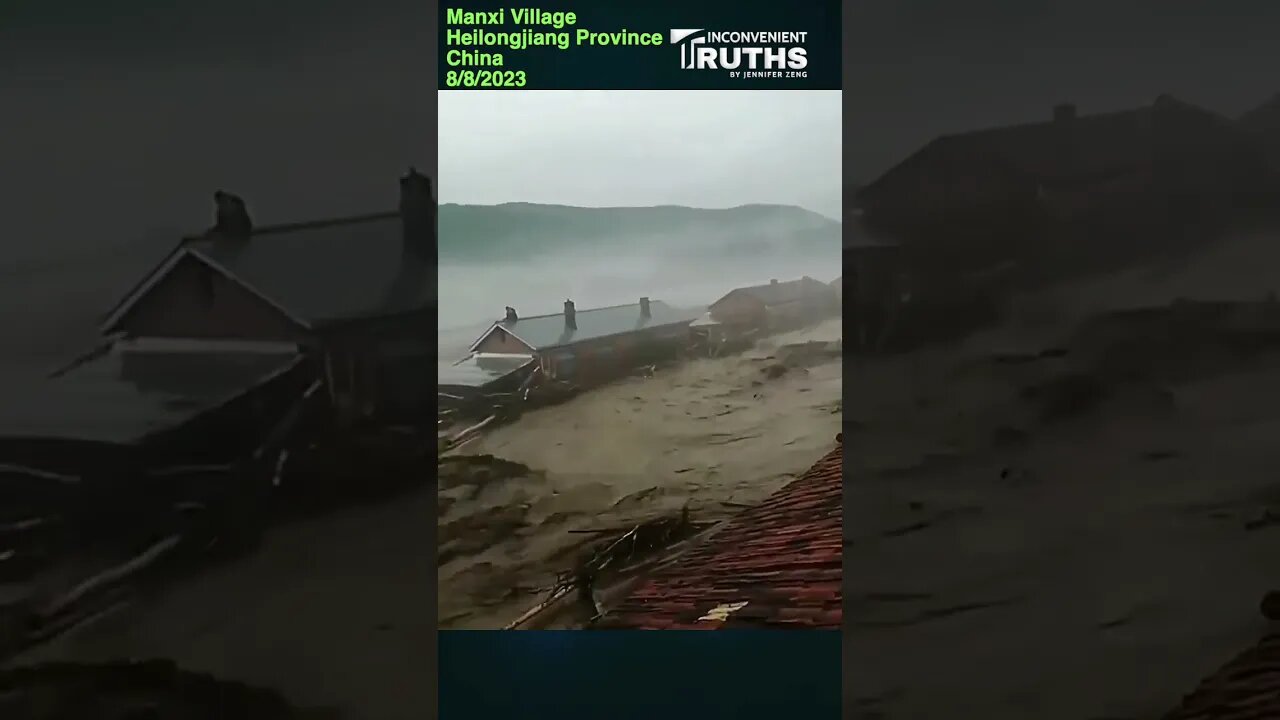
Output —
(485, 79)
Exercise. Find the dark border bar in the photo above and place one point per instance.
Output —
(638, 46)
(729, 675)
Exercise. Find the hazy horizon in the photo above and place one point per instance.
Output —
(606, 149)
(628, 207)
(599, 148)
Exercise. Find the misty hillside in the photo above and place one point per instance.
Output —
(525, 230)
(1264, 117)
(1264, 122)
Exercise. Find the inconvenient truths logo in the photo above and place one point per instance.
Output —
(743, 54)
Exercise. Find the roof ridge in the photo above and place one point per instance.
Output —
(327, 222)
(771, 283)
(1040, 123)
(579, 312)
(1164, 101)
(305, 224)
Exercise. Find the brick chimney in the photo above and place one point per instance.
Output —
(231, 217)
(418, 215)
(570, 316)
(773, 282)
(511, 317)
(644, 308)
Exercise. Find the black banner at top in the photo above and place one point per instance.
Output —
(656, 45)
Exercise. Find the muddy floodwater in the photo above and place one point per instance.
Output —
(713, 434)
(1069, 516)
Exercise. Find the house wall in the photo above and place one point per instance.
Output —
(876, 284)
(605, 358)
(194, 301)
(380, 369)
(501, 341)
(738, 308)
(813, 305)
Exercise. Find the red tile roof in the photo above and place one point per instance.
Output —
(776, 565)
(1247, 688)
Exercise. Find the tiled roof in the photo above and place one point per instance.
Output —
(776, 565)
(1247, 688)
(541, 332)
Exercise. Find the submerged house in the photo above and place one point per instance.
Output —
(482, 374)
(354, 293)
(776, 305)
(115, 445)
(209, 373)
(590, 344)
(974, 197)
(148, 394)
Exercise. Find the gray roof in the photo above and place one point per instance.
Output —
(124, 397)
(328, 271)
(780, 293)
(478, 371)
(1102, 145)
(547, 331)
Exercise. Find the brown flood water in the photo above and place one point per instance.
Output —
(715, 434)
(1094, 561)
(330, 611)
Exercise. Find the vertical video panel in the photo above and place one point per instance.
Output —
(215, 305)
(1062, 463)
(640, 379)
(640, 326)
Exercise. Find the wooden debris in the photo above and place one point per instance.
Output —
(616, 556)
(559, 592)
(468, 434)
(114, 575)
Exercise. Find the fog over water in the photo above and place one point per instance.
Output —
(609, 150)
(471, 296)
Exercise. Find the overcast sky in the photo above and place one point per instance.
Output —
(597, 148)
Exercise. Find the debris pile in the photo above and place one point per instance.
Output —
(618, 553)
(73, 548)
